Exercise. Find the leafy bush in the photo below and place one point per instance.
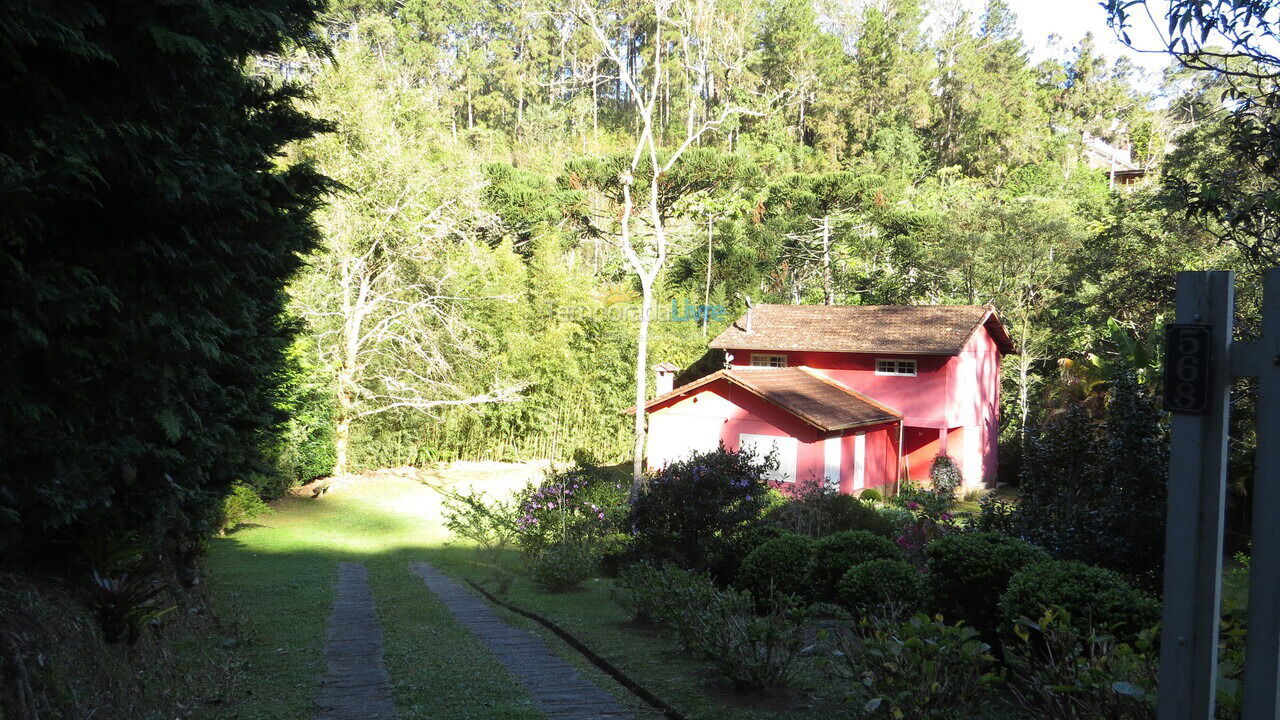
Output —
(778, 566)
(754, 644)
(563, 567)
(945, 477)
(832, 556)
(996, 514)
(871, 495)
(694, 505)
(815, 509)
(491, 525)
(727, 557)
(1096, 491)
(667, 595)
(923, 669)
(1093, 597)
(240, 506)
(1057, 670)
(577, 507)
(897, 518)
(883, 583)
(968, 572)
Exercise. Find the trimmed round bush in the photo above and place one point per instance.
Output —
(777, 566)
(871, 495)
(1096, 598)
(967, 573)
(728, 554)
(833, 555)
(877, 583)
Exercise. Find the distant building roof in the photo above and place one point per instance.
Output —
(896, 329)
(804, 393)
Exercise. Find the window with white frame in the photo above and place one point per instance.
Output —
(889, 366)
(782, 449)
(764, 360)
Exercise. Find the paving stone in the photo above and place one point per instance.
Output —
(559, 691)
(356, 685)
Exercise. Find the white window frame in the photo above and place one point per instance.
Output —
(761, 445)
(896, 367)
(831, 460)
(859, 461)
(769, 360)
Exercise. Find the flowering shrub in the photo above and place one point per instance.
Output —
(778, 566)
(578, 507)
(923, 529)
(968, 572)
(945, 477)
(833, 555)
(922, 669)
(877, 584)
(693, 506)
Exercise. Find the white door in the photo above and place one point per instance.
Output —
(859, 461)
(783, 448)
(831, 460)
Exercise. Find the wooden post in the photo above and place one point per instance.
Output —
(1261, 359)
(1197, 491)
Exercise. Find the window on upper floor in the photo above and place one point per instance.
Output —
(764, 360)
(887, 366)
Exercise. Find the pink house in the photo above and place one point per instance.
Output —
(856, 396)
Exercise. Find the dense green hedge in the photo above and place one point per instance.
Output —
(146, 234)
(967, 574)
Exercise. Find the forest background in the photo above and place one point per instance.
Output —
(470, 298)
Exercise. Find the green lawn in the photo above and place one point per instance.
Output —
(274, 581)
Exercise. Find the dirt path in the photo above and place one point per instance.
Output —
(558, 690)
(356, 686)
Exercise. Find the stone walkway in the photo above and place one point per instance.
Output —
(558, 690)
(356, 686)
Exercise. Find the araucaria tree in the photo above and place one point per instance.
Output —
(149, 225)
(681, 37)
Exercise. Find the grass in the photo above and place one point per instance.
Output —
(275, 581)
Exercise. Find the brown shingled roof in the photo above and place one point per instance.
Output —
(817, 400)
(897, 329)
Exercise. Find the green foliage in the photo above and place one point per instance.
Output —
(870, 495)
(816, 510)
(491, 525)
(778, 567)
(1059, 670)
(1096, 491)
(125, 587)
(833, 555)
(1091, 597)
(881, 585)
(967, 574)
(240, 506)
(695, 505)
(754, 645)
(945, 477)
(919, 668)
(150, 224)
(562, 567)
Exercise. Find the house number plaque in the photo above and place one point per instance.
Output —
(1186, 369)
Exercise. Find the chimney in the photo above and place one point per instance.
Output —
(665, 377)
(749, 306)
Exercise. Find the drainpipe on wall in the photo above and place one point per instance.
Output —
(901, 440)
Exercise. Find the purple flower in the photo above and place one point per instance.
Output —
(551, 506)
(601, 516)
(913, 505)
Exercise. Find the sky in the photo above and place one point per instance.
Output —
(1071, 19)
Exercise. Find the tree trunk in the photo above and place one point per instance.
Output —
(828, 293)
(341, 444)
(642, 355)
(706, 290)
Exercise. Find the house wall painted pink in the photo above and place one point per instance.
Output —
(721, 412)
(952, 401)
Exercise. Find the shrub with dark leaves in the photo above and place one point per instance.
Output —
(832, 556)
(778, 567)
(1094, 598)
(693, 506)
(968, 572)
(816, 509)
(563, 567)
(876, 585)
